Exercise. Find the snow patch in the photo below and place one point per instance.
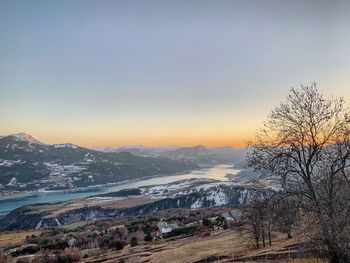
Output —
(26, 138)
(13, 182)
(57, 222)
(9, 163)
(39, 224)
(65, 145)
(60, 170)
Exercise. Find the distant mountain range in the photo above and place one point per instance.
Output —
(28, 164)
(198, 154)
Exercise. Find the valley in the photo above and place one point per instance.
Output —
(190, 193)
(177, 196)
(33, 172)
(29, 165)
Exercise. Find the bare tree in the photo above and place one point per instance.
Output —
(286, 210)
(305, 143)
(270, 218)
(253, 217)
(259, 216)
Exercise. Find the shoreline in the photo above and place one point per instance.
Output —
(96, 190)
(91, 187)
(17, 196)
(87, 188)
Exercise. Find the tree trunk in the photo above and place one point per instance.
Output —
(270, 239)
(289, 233)
(263, 235)
(336, 254)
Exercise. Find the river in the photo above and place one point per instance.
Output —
(217, 172)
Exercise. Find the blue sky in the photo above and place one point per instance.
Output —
(101, 73)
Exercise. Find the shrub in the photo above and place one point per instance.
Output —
(133, 242)
(188, 230)
(206, 222)
(26, 250)
(119, 245)
(148, 237)
(69, 255)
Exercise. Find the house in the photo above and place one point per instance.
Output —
(165, 228)
(72, 242)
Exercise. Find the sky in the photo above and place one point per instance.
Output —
(155, 73)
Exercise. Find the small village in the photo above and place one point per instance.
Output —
(90, 239)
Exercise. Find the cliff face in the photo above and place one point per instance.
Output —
(28, 217)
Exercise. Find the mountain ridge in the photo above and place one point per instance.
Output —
(28, 164)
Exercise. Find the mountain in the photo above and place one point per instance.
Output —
(28, 164)
(229, 154)
(198, 154)
(51, 215)
(140, 150)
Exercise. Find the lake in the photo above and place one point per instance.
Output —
(217, 172)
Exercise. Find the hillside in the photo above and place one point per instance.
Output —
(191, 240)
(127, 203)
(220, 246)
(199, 154)
(28, 164)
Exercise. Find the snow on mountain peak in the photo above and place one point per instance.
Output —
(26, 137)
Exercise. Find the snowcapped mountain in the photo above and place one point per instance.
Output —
(28, 164)
(25, 138)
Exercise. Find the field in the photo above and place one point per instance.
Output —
(221, 246)
(15, 238)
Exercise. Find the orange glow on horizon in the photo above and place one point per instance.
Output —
(211, 143)
(101, 136)
(96, 141)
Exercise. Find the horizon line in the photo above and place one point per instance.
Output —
(93, 147)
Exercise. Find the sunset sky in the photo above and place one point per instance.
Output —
(112, 73)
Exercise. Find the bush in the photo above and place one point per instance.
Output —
(69, 255)
(188, 230)
(133, 242)
(225, 226)
(119, 245)
(206, 222)
(60, 244)
(26, 250)
(148, 237)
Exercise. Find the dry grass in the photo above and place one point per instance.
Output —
(223, 243)
(227, 245)
(180, 250)
(15, 238)
(192, 249)
(54, 210)
(311, 260)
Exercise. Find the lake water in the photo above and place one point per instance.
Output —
(217, 172)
